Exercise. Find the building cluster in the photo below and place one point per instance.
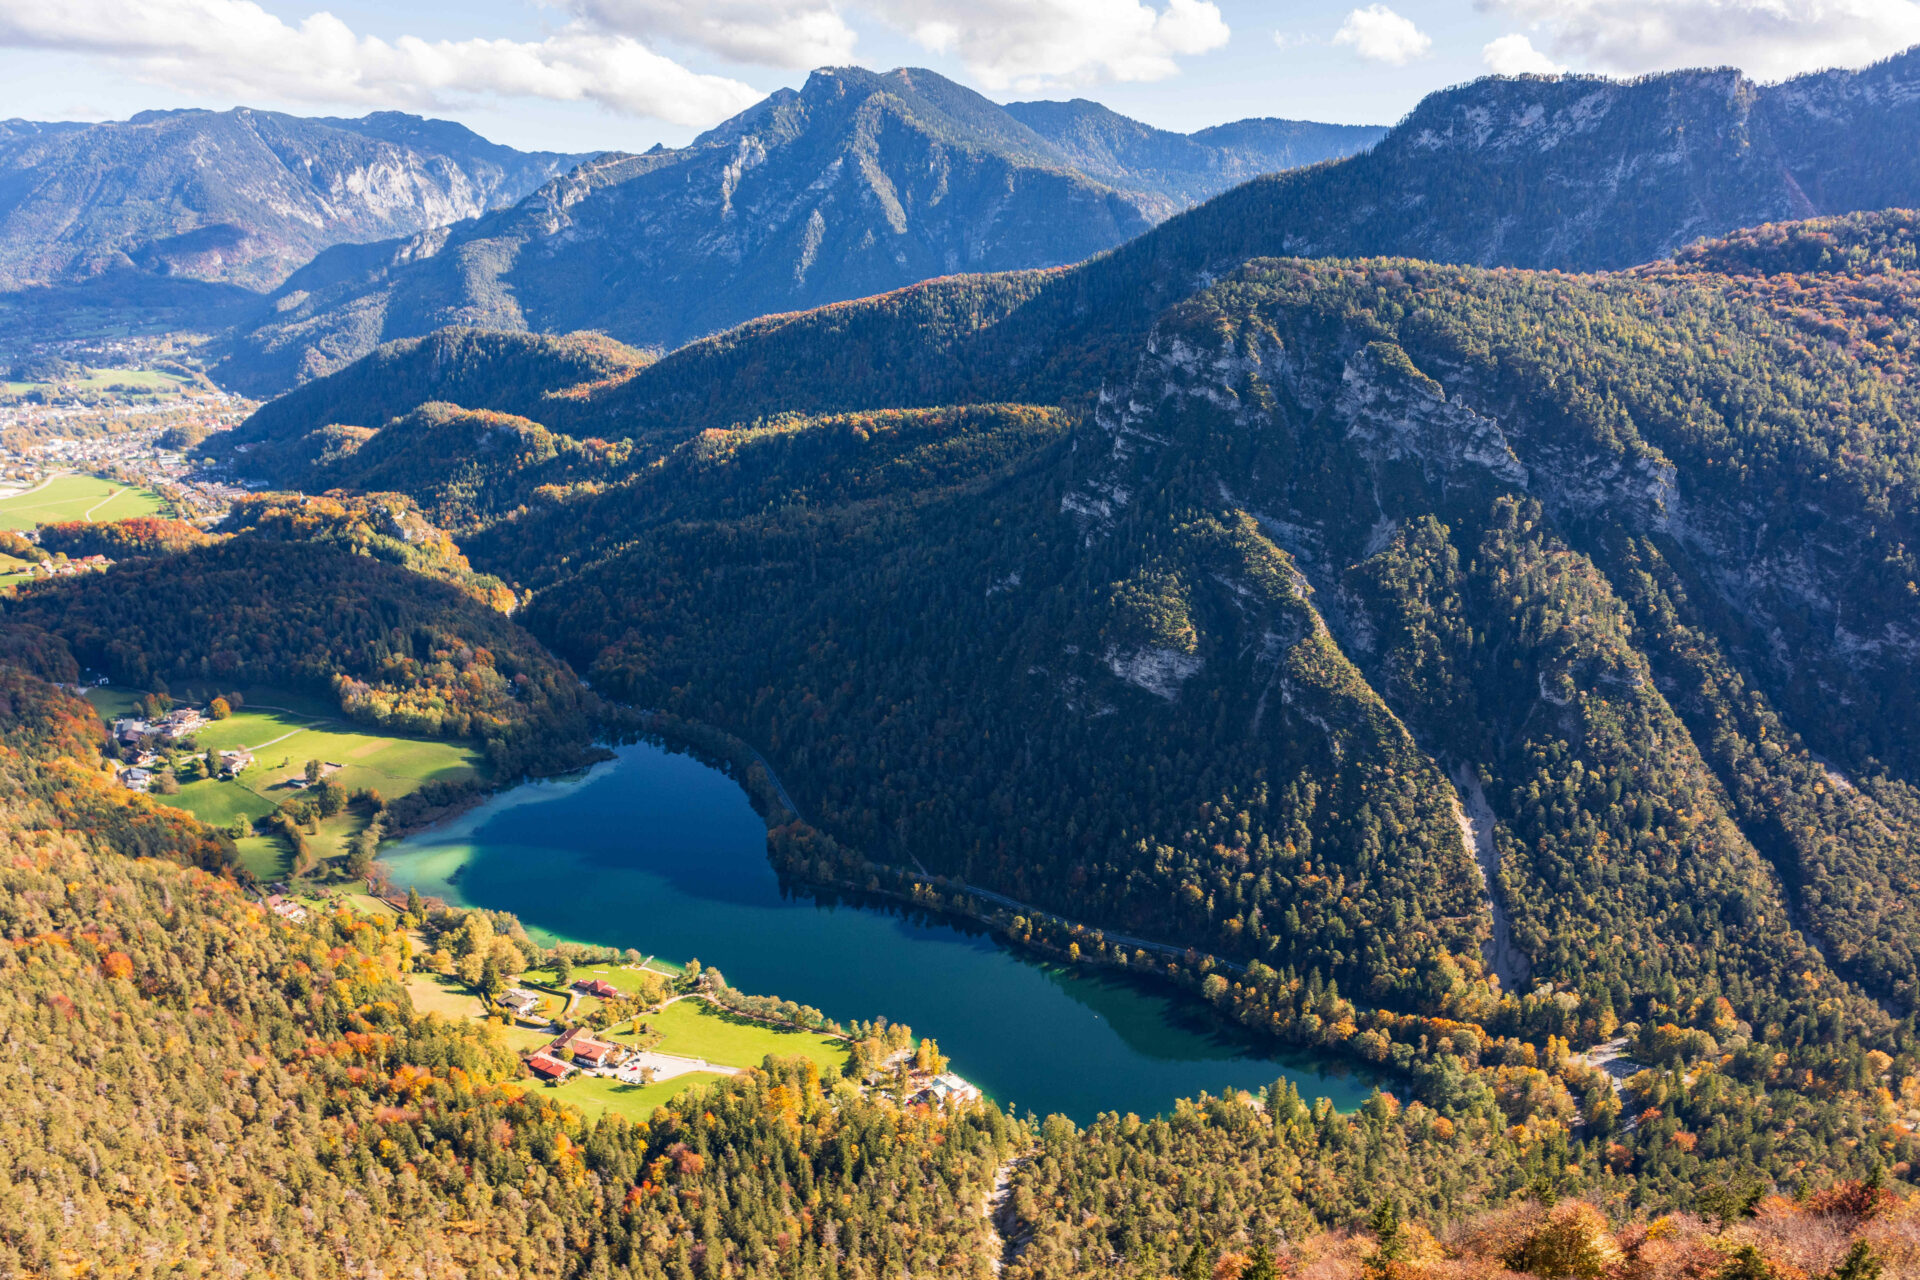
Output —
(575, 1050)
(51, 568)
(176, 725)
(134, 733)
(947, 1088)
(520, 1002)
(286, 908)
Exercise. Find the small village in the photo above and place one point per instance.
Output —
(137, 737)
(129, 423)
(69, 568)
(576, 1050)
(628, 1033)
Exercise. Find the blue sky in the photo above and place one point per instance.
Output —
(593, 74)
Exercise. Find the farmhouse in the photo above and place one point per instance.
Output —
(948, 1087)
(128, 731)
(597, 987)
(587, 1050)
(517, 1000)
(547, 1067)
(235, 762)
(136, 778)
(183, 722)
(287, 909)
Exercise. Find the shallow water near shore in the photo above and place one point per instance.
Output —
(658, 851)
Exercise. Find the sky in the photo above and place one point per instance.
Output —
(591, 75)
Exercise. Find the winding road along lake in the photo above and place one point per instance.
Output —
(657, 851)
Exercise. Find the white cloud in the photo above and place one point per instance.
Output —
(1378, 34)
(1035, 44)
(1515, 55)
(1770, 39)
(771, 33)
(606, 51)
(236, 47)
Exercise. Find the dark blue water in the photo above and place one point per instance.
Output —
(657, 851)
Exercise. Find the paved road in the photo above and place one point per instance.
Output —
(87, 515)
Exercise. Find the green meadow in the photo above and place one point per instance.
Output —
(598, 1096)
(284, 730)
(142, 381)
(696, 1029)
(77, 497)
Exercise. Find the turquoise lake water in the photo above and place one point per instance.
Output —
(657, 851)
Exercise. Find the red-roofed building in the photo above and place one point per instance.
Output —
(594, 1053)
(597, 987)
(585, 1049)
(548, 1068)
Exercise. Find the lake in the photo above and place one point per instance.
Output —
(657, 851)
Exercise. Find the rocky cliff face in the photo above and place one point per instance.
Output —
(1583, 172)
(1524, 563)
(240, 197)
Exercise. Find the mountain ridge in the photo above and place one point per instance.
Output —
(856, 183)
(236, 197)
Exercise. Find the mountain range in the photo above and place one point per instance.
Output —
(1430, 531)
(1454, 609)
(857, 183)
(238, 197)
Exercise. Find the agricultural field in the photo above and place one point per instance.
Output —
(284, 731)
(77, 497)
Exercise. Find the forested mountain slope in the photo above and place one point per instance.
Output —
(292, 603)
(239, 197)
(557, 380)
(857, 183)
(1360, 580)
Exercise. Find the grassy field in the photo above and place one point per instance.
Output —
(525, 1039)
(285, 731)
(432, 993)
(13, 571)
(76, 498)
(146, 380)
(696, 1029)
(597, 1095)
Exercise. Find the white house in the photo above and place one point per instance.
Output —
(948, 1087)
(520, 1002)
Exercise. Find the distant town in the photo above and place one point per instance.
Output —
(129, 411)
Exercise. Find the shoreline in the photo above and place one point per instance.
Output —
(1180, 977)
